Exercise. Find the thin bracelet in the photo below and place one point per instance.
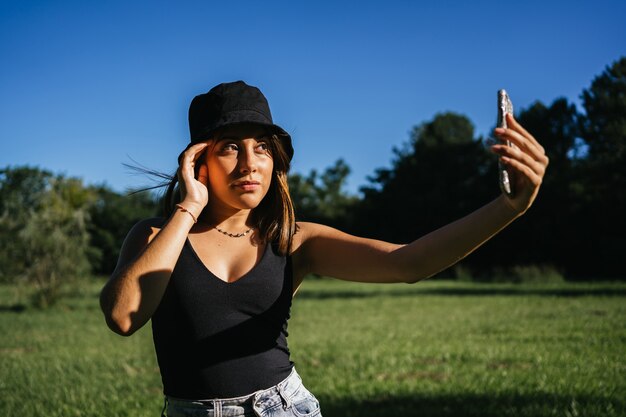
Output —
(183, 209)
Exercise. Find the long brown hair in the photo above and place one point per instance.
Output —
(274, 216)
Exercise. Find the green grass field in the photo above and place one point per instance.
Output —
(437, 348)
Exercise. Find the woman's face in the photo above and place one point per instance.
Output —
(240, 167)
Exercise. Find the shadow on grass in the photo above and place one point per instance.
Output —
(13, 308)
(473, 405)
(404, 291)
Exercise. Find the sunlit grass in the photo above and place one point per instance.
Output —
(434, 349)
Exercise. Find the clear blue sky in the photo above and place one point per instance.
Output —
(86, 84)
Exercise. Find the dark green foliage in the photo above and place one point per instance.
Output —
(54, 231)
(43, 231)
(112, 216)
(445, 129)
(528, 274)
(434, 178)
(557, 127)
(322, 198)
(604, 122)
(21, 190)
(604, 182)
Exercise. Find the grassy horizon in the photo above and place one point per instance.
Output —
(437, 348)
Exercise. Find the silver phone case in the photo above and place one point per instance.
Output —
(504, 106)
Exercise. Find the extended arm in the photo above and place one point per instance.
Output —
(327, 251)
(334, 253)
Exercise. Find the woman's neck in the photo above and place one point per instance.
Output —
(228, 218)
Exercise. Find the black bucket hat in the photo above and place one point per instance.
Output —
(230, 104)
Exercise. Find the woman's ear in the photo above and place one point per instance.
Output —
(203, 174)
(201, 161)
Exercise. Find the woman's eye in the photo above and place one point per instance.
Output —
(262, 147)
(230, 147)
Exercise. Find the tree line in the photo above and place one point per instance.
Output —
(577, 226)
(55, 229)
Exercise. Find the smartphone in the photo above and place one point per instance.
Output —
(504, 106)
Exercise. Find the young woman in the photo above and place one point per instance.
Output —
(217, 273)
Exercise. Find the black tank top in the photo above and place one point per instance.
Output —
(220, 340)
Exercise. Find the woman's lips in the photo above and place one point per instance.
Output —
(247, 185)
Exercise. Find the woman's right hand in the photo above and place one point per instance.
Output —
(193, 191)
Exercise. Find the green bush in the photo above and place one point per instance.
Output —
(525, 274)
(43, 231)
(462, 273)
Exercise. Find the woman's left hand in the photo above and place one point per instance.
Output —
(527, 162)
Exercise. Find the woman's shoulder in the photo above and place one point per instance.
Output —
(146, 228)
(150, 223)
(321, 236)
(142, 233)
(306, 231)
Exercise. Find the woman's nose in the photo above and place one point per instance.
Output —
(247, 161)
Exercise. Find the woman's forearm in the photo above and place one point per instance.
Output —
(446, 246)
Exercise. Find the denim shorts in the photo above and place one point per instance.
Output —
(288, 398)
